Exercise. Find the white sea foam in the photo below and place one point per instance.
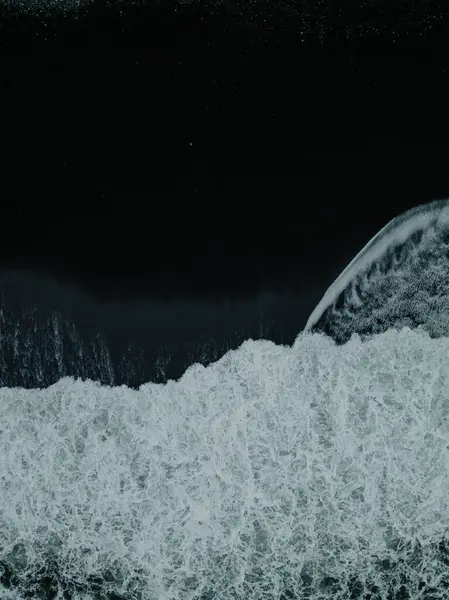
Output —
(398, 279)
(310, 469)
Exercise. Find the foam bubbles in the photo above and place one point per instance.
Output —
(398, 279)
(316, 471)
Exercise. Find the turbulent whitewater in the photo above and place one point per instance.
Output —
(313, 471)
(317, 471)
(400, 278)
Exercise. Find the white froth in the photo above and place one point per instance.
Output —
(273, 469)
(396, 232)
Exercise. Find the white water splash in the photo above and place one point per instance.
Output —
(400, 278)
(316, 470)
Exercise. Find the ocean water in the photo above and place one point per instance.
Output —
(312, 471)
(400, 278)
